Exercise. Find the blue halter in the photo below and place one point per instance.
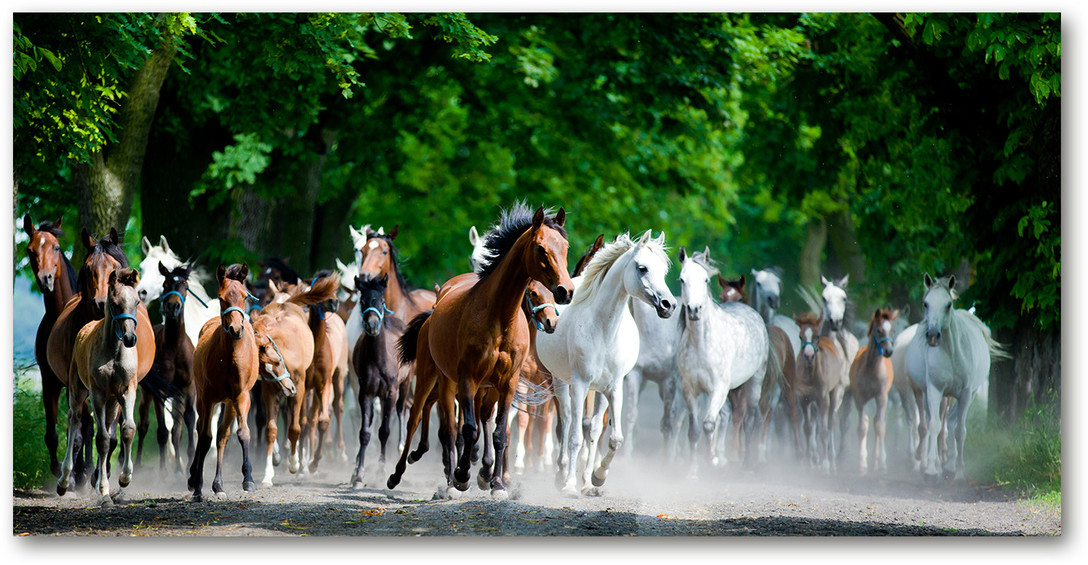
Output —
(880, 349)
(179, 295)
(223, 314)
(535, 309)
(117, 331)
(283, 364)
(381, 313)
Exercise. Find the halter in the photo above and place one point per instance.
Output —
(283, 364)
(880, 349)
(223, 314)
(381, 313)
(179, 295)
(189, 292)
(256, 302)
(535, 309)
(117, 331)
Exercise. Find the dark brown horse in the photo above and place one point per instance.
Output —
(224, 370)
(477, 335)
(818, 384)
(89, 304)
(871, 379)
(174, 364)
(57, 281)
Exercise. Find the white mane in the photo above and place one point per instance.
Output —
(603, 260)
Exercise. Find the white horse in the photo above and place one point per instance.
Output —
(908, 395)
(765, 297)
(658, 340)
(197, 311)
(596, 343)
(949, 355)
(846, 343)
(722, 347)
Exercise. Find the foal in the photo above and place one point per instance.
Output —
(871, 377)
(818, 384)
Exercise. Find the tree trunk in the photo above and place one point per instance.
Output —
(812, 253)
(1032, 376)
(107, 184)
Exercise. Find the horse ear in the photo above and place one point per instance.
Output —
(245, 271)
(221, 272)
(165, 246)
(114, 238)
(538, 217)
(272, 288)
(145, 245)
(473, 236)
(645, 237)
(561, 217)
(683, 254)
(393, 232)
(952, 283)
(824, 280)
(598, 243)
(28, 225)
(60, 220)
(129, 277)
(721, 281)
(742, 281)
(842, 282)
(928, 281)
(706, 252)
(895, 314)
(162, 269)
(87, 239)
(113, 277)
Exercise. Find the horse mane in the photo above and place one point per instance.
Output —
(807, 318)
(106, 246)
(128, 277)
(235, 272)
(289, 274)
(51, 228)
(512, 223)
(605, 258)
(705, 262)
(394, 259)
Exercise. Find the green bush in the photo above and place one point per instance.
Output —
(1028, 458)
(30, 462)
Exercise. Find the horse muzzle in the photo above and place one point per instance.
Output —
(665, 307)
(47, 281)
(129, 340)
(372, 327)
(562, 294)
(933, 339)
(693, 312)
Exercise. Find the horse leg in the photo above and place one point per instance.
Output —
(954, 468)
(500, 438)
(204, 410)
(632, 386)
(863, 433)
(615, 441)
(837, 427)
(424, 444)
(270, 401)
(162, 433)
(932, 402)
(51, 391)
(338, 414)
(190, 424)
(713, 421)
(592, 443)
(319, 418)
(425, 381)
(694, 432)
(294, 425)
(520, 416)
(385, 427)
(84, 466)
(880, 423)
(243, 402)
(104, 411)
(824, 430)
(128, 431)
(77, 398)
(466, 395)
(145, 424)
(366, 403)
(221, 439)
(577, 399)
(485, 413)
(562, 428)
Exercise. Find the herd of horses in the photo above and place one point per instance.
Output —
(520, 339)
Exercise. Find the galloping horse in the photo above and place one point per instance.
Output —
(224, 371)
(722, 347)
(174, 363)
(374, 358)
(818, 385)
(950, 355)
(835, 309)
(597, 344)
(329, 366)
(57, 281)
(536, 406)
(871, 377)
(89, 304)
(477, 335)
(106, 359)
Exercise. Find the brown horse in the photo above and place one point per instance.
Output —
(818, 384)
(87, 305)
(287, 351)
(174, 363)
(871, 377)
(57, 281)
(329, 367)
(536, 405)
(224, 370)
(105, 366)
(733, 290)
(476, 335)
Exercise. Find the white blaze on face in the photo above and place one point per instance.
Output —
(834, 302)
(693, 282)
(373, 244)
(808, 338)
(887, 328)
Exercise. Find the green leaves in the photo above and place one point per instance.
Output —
(237, 164)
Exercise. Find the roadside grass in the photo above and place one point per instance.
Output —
(1025, 457)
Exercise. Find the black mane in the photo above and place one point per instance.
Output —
(103, 245)
(288, 274)
(50, 227)
(236, 272)
(513, 222)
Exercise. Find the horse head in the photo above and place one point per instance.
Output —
(768, 287)
(122, 303)
(378, 254)
(43, 249)
(593, 249)
(103, 257)
(372, 301)
(809, 325)
(835, 301)
(546, 256)
(644, 277)
(695, 273)
(273, 367)
(938, 300)
(732, 290)
(232, 298)
(150, 286)
(175, 286)
(479, 249)
(882, 331)
(540, 307)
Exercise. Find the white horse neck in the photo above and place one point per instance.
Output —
(607, 300)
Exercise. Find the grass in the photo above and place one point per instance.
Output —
(30, 461)
(1025, 457)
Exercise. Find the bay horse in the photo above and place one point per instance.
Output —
(89, 304)
(106, 359)
(950, 355)
(597, 344)
(329, 367)
(871, 377)
(224, 370)
(477, 336)
(56, 278)
(818, 384)
(174, 363)
(732, 290)
(722, 347)
(374, 358)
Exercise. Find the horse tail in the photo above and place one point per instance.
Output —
(407, 342)
(157, 386)
(324, 288)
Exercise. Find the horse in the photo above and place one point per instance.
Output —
(106, 359)
(225, 368)
(56, 278)
(88, 304)
(151, 285)
(479, 249)
(174, 363)
(950, 355)
(732, 290)
(535, 398)
(596, 345)
(346, 296)
(477, 336)
(819, 366)
(871, 377)
(836, 306)
(765, 298)
(722, 347)
(374, 359)
(329, 366)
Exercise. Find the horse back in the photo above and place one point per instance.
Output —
(62, 338)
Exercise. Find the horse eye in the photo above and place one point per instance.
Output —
(642, 269)
(56, 248)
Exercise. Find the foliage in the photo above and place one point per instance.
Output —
(1027, 458)
(30, 461)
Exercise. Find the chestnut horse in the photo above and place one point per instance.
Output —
(329, 367)
(87, 305)
(105, 366)
(174, 363)
(57, 281)
(818, 384)
(224, 371)
(871, 377)
(477, 335)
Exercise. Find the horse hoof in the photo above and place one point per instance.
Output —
(591, 491)
(948, 474)
(500, 494)
(197, 498)
(929, 478)
(266, 482)
(61, 490)
(249, 486)
(106, 501)
(483, 482)
(275, 459)
(124, 481)
(597, 481)
(461, 486)
(570, 491)
(392, 482)
(452, 494)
